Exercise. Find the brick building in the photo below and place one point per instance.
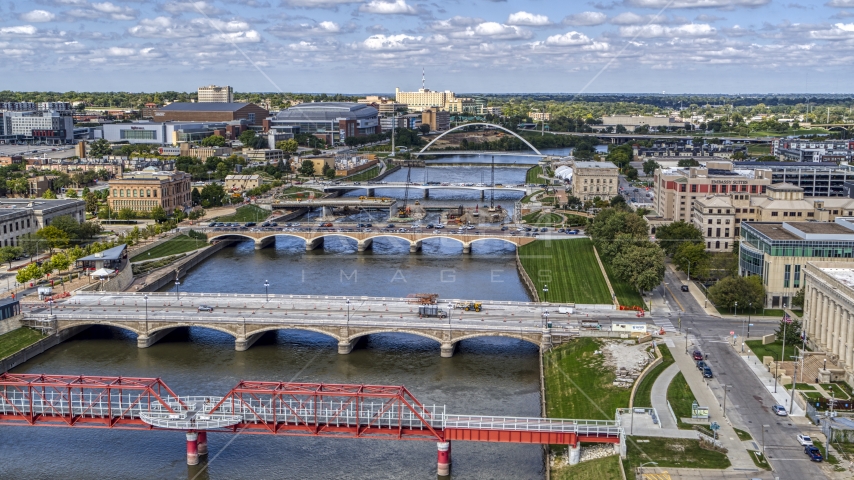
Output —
(142, 191)
(211, 112)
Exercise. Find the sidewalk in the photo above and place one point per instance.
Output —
(738, 456)
(782, 396)
(658, 396)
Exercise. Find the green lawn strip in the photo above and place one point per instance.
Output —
(670, 453)
(838, 391)
(15, 340)
(366, 175)
(533, 175)
(599, 469)
(569, 268)
(542, 219)
(831, 459)
(626, 294)
(246, 213)
(681, 398)
(813, 395)
(772, 349)
(742, 434)
(759, 459)
(180, 244)
(643, 394)
(805, 386)
(578, 385)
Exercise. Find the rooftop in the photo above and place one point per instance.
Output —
(715, 201)
(793, 231)
(38, 204)
(114, 253)
(844, 275)
(327, 111)
(785, 187)
(594, 165)
(203, 107)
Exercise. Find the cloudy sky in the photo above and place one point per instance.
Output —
(355, 46)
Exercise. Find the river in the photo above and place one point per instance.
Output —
(489, 376)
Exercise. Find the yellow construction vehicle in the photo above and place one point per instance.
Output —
(469, 306)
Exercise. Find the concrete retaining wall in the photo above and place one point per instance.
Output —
(645, 371)
(289, 216)
(9, 324)
(169, 273)
(116, 284)
(770, 338)
(529, 285)
(386, 173)
(38, 348)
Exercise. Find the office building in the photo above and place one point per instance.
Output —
(22, 216)
(385, 106)
(11, 160)
(818, 179)
(240, 183)
(211, 112)
(829, 312)
(594, 179)
(439, 120)
(142, 191)
(52, 127)
(424, 98)
(813, 150)
(411, 121)
(215, 94)
(318, 161)
(332, 122)
(264, 155)
(680, 150)
(172, 133)
(778, 252)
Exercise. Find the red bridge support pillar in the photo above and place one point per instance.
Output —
(192, 448)
(203, 443)
(444, 458)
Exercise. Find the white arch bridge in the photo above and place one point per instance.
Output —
(364, 240)
(151, 316)
(423, 151)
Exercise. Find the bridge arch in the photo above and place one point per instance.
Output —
(121, 326)
(485, 125)
(293, 327)
(505, 240)
(497, 334)
(359, 335)
(189, 325)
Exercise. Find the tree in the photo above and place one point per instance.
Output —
(196, 196)
(612, 222)
(71, 193)
(792, 329)
(573, 202)
(100, 148)
(48, 194)
(688, 162)
(30, 272)
(672, 235)
(9, 254)
(424, 128)
(744, 290)
(247, 137)
(692, 258)
(212, 195)
(213, 141)
(631, 173)
(288, 146)
(621, 129)
(649, 167)
(91, 203)
(618, 201)
(54, 237)
(31, 243)
(798, 299)
(67, 224)
(126, 214)
(159, 214)
(60, 261)
(330, 173)
(307, 168)
(640, 263)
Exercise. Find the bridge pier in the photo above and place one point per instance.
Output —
(448, 349)
(466, 248)
(444, 463)
(312, 243)
(414, 247)
(546, 342)
(346, 346)
(364, 244)
(192, 448)
(147, 340)
(574, 454)
(483, 195)
(426, 193)
(370, 192)
(203, 443)
(241, 344)
(264, 242)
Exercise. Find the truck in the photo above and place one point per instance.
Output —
(431, 311)
(468, 306)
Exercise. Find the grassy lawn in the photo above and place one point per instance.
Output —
(599, 469)
(838, 391)
(527, 198)
(670, 453)
(642, 394)
(813, 395)
(626, 294)
(759, 460)
(246, 213)
(759, 149)
(15, 340)
(542, 219)
(533, 175)
(804, 386)
(772, 349)
(757, 312)
(568, 267)
(681, 398)
(366, 175)
(578, 385)
(743, 435)
(180, 244)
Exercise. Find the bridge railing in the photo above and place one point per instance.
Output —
(533, 424)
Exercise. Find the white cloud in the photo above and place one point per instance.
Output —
(19, 30)
(493, 30)
(119, 52)
(839, 31)
(250, 36)
(568, 39)
(178, 7)
(528, 19)
(454, 23)
(220, 25)
(651, 31)
(37, 16)
(583, 19)
(840, 3)
(696, 3)
(390, 42)
(151, 52)
(160, 27)
(309, 29)
(318, 3)
(381, 7)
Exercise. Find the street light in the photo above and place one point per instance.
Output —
(348, 312)
(794, 382)
(545, 319)
(50, 305)
(146, 313)
(726, 388)
(450, 307)
(267, 291)
(786, 321)
(545, 291)
(689, 271)
(177, 292)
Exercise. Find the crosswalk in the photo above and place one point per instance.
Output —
(666, 324)
(656, 476)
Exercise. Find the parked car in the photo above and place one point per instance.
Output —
(779, 410)
(804, 440)
(814, 453)
(684, 288)
(206, 308)
(697, 355)
(707, 372)
(701, 365)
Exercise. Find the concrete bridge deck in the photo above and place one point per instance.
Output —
(151, 316)
(314, 236)
(372, 187)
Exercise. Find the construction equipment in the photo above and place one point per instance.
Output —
(403, 210)
(431, 311)
(469, 306)
(423, 298)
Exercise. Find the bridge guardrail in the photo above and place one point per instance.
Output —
(532, 424)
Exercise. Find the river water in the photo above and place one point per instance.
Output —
(488, 376)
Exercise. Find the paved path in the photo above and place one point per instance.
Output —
(658, 396)
(650, 473)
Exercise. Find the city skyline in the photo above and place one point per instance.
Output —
(357, 46)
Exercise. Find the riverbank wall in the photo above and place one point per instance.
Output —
(9, 324)
(529, 284)
(174, 272)
(39, 347)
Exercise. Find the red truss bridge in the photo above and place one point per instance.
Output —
(274, 408)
